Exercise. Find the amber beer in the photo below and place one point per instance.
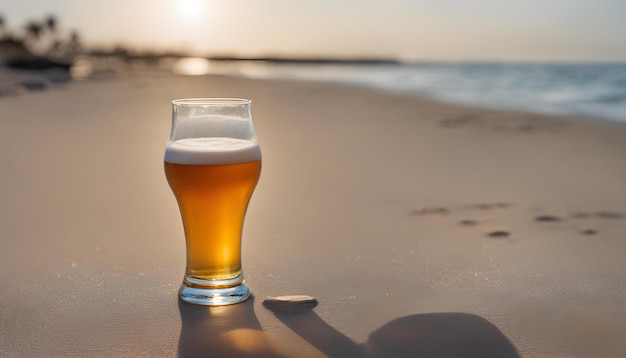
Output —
(212, 165)
(213, 197)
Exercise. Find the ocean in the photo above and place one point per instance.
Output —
(592, 91)
(588, 90)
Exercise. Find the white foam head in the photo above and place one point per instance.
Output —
(211, 151)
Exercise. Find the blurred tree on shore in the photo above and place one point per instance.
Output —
(41, 44)
(38, 40)
(1, 26)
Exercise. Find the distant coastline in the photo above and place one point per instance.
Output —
(310, 60)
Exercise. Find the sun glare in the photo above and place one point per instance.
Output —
(192, 9)
(192, 66)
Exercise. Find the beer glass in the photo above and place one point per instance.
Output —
(212, 164)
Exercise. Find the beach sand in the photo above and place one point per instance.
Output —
(422, 228)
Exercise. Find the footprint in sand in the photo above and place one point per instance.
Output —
(436, 210)
(430, 211)
(583, 215)
(499, 234)
(609, 215)
(458, 121)
(589, 232)
(468, 222)
(547, 218)
(599, 214)
(489, 206)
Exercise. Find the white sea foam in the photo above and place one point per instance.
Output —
(210, 151)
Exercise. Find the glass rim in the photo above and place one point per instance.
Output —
(211, 101)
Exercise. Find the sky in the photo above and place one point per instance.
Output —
(449, 30)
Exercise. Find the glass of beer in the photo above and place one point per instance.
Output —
(212, 164)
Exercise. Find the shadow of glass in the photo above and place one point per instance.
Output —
(224, 331)
(322, 336)
(441, 335)
(235, 331)
(438, 335)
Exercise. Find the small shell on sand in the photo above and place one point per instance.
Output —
(290, 304)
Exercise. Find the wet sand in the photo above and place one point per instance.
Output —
(422, 228)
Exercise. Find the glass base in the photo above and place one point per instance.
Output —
(214, 293)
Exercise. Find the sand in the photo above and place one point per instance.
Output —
(422, 228)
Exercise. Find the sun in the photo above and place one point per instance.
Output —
(192, 10)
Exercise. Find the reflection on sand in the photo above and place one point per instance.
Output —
(234, 331)
(191, 66)
(226, 331)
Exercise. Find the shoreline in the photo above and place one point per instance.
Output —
(24, 82)
(580, 90)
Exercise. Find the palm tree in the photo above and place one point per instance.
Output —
(74, 43)
(51, 24)
(2, 29)
(33, 31)
(51, 39)
(5, 34)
